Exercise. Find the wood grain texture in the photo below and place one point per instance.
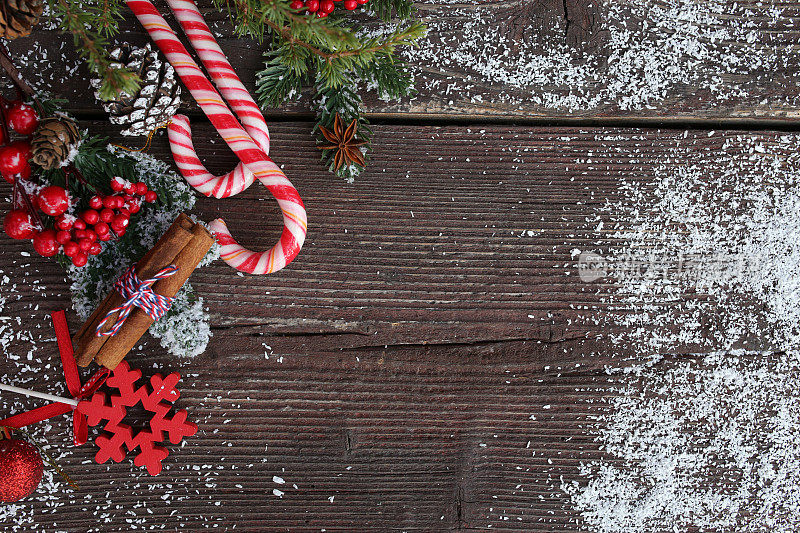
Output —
(430, 362)
(577, 59)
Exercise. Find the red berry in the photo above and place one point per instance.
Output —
(18, 225)
(71, 248)
(296, 4)
(79, 224)
(326, 6)
(53, 200)
(91, 235)
(321, 14)
(362, 2)
(312, 5)
(106, 215)
(119, 225)
(79, 259)
(84, 244)
(63, 236)
(96, 202)
(95, 249)
(104, 237)
(151, 196)
(13, 159)
(22, 118)
(134, 207)
(120, 221)
(65, 222)
(79, 233)
(141, 188)
(45, 243)
(118, 184)
(90, 216)
(25, 173)
(350, 4)
(101, 228)
(113, 202)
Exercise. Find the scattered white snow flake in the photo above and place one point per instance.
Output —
(718, 48)
(707, 257)
(709, 444)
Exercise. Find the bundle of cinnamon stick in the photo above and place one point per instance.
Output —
(184, 244)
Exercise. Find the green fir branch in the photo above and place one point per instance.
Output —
(337, 57)
(275, 18)
(91, 25)
(386, 9)
(391, 78)
(278, 80)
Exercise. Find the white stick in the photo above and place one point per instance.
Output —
(43, 395)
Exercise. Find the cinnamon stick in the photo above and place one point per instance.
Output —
(173, 238)
(117, 347)
(184, 244)
(168, 246)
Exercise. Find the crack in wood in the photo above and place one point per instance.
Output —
(457, 343)
(583, 30)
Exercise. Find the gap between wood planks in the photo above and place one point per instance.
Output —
(414, 119)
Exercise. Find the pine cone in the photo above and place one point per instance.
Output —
(18, 17)
(156, 101)
(54, 142)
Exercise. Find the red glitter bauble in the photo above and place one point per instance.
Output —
(20, 469)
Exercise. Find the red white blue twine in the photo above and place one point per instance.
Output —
(138, 293)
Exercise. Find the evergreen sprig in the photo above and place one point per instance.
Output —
(386, 9)
(91, 24)
(331, 56)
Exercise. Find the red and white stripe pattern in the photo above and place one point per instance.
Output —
(192, 169)
(137, 293)
(252, 154)
(227, 82)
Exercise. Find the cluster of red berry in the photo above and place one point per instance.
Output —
(14, 155)
(323, 8)
(79, 236)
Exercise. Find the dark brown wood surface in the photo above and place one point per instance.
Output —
(564, 60)
(432, 360)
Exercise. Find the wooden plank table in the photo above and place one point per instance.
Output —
(433, 360)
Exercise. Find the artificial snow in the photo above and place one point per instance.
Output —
(486, 53)
(707, 259)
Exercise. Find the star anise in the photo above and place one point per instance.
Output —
(344, 142)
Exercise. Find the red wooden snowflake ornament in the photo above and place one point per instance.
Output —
(121, 436)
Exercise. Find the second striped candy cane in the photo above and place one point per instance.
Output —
(248, 112)
(251, 154)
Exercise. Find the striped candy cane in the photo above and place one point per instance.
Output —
(224, 77)
(227, 124)
(192, 169)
